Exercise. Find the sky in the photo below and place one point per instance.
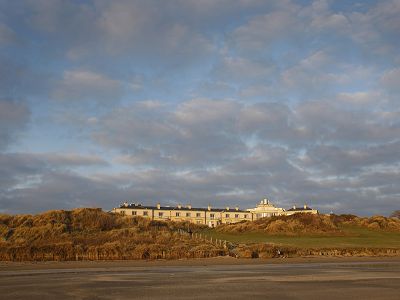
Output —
(221, 102)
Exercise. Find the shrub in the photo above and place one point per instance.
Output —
(92, 234)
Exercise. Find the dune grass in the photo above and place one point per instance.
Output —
(91, 234)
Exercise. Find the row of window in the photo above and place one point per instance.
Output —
(212, 216)
(266, 215)
(188, 214)
(145, 213)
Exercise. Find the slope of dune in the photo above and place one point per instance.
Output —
(306, 224)
(93, 234)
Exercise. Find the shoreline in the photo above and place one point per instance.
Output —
(215, 261)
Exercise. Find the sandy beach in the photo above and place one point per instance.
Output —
(216, 278)
(225, 260)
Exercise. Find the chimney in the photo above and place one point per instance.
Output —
(237, 207)
(209, 207)
(305, 206)
(227, 208)
(294, 206)
(158, 206)
(189, 206)
(179, 206)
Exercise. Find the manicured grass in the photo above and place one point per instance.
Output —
(354, 237)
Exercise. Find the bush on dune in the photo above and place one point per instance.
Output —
(379, 223)
(304, 224)
(285, 225)
(373, 223)
(92, 234)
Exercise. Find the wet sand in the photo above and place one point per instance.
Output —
(218, 278)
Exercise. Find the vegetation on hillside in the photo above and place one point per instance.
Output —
(315, 235)
(308, 224)
(374, 223)
(285, 225)
(92, 234)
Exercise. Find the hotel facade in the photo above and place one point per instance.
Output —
(209, 216)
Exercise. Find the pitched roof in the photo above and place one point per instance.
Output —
(182, 208)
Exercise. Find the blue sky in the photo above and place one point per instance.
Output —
(220, 102)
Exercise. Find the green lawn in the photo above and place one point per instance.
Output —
(355, 237)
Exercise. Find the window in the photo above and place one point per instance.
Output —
(245, 216)
(177, 214)
(145, 213)
(227, 216)
(198, 215)
(237, 216)
(212, 216)
(187, 214)
(122, 212)
(134, 213)
(160, 214)
(198, 222)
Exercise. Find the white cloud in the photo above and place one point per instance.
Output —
(360, 99)
(200, 100)
(263, 30)
(242, 70)
(205, 112)
(70, 159)
(83, 85)
(391, 80)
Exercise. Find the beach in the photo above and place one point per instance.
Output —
(216, 278)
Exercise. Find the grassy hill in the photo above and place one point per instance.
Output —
(91, 234)
(83, 234)
(306, 234)
(308, 224)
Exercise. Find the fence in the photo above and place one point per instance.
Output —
(204, 237)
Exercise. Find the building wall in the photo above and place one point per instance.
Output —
(265, 209)
(161, 214)
(146, 213)
(309, 211)
(192, 215)
(210, 217)
(213, 218)
(233, 216)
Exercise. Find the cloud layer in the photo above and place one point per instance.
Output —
(221, 102)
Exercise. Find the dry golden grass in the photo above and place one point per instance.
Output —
(286, 225)
(313, 235)
(376, 223)
(308, 224)
(91, 234)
